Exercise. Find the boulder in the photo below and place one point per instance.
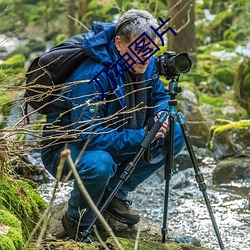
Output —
(150, 235)
(232, 139)
(231, 169)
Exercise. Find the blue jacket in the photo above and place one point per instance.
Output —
(105, 132)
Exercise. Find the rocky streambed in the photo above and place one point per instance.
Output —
(188, 215)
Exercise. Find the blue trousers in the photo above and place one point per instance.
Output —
(100, 170)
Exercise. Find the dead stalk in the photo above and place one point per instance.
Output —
(66, 153)
(138, 236)
(99, 238)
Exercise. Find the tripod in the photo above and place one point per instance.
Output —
(173, 90)
(169, 163)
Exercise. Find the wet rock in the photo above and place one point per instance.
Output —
(231, 169)
(229, 140)
(150, 234)
(181, 179)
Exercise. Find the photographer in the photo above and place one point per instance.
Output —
(112, 128)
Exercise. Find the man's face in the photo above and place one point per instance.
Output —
(122, 47)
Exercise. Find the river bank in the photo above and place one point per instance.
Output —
(188, 215)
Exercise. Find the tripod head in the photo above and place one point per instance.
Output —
(174, 89)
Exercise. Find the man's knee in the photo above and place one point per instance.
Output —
(97, 165)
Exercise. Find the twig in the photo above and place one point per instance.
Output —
(66, 154)
(186, 24)
(77, 21)
(99, 238)
(186, 4)
(137, 236)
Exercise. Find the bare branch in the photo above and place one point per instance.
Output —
(79, 22)
(186, 24)
(66, 154)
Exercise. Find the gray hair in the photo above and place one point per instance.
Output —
(135, 22)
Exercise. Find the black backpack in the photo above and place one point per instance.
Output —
(48, 73)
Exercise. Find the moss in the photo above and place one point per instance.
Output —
(17, 61)
(6, 243)
(128, 244)
(16, 237)
(10, 220)
(13, 71)
(13, 239)
(228, 45)
(236, 125)
(224, 75)
(219, 104)
(214, 101)
(22, 200)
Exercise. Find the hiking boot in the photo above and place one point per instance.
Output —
(75, 231)
(121, 211)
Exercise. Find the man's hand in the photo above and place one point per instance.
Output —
(164, 128)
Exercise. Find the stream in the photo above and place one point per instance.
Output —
(187, 212)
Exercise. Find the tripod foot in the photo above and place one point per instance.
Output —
(164, 232)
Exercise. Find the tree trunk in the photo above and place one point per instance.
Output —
(182, 21)
(83, 7)
(72, 13)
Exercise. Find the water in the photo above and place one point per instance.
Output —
(188, 215)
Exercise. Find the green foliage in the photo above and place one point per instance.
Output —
(214, 101)
(12, 67)
(17, 61)
(224, 75)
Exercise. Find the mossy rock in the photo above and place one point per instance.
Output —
(10, 231)
(221, 107)
(232, 139)
(127, 244)
(231, 169)
(22, 200)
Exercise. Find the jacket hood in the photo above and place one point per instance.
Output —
(98, 42)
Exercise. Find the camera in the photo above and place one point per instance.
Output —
(171, 65)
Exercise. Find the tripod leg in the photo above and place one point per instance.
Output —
(199, 177)
(168, 173)
(129, 169)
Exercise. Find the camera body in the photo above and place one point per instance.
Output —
(171, 65)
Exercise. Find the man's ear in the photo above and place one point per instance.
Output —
(118, 42)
